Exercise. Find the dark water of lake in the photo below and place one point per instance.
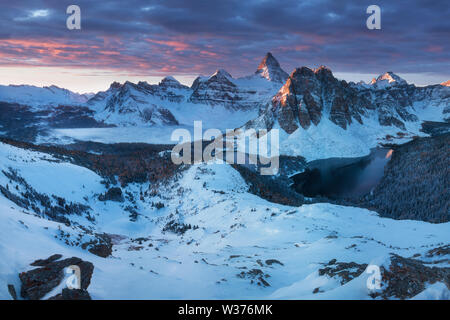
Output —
(339, 178)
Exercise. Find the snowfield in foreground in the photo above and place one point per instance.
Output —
(212, 239)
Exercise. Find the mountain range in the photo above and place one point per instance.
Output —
(310, 106)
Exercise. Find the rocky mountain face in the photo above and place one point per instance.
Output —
(218, 89)
(311, 94)
(139, 101)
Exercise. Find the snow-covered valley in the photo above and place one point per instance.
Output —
(210, 238)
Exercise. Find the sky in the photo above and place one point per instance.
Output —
(145, 40)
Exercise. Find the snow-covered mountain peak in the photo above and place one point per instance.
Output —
(169, 83)
(221, 74)
(169, 80)
(270, 69)
(115, 85)
(40, 96)
(387, 79)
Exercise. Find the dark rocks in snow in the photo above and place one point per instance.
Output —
(155, 114)
(12, 291)
(101, 250)
(404, 278)
(158, 205)
(316, 290)
(435, 128)
(388, 120)
(346, 271)
(44, 262)
(113, 194)
(101, 246)
(270, 262)
(38, 282)
(133, 213)
(439, 252)
(255, 275)
(72, 294)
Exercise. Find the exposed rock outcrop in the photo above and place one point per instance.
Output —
(38, 282)
(309, 95)
(220, 89)
(405, 278)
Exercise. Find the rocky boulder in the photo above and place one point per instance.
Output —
(72, 294)
(38, 282)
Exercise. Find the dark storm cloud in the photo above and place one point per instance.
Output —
(190, 37)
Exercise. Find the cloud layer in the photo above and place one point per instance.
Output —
(196, 37)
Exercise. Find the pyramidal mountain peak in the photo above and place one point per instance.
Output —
(389, 78)
(270, 69)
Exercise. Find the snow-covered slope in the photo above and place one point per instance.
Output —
(208, 238)
(37, 96)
